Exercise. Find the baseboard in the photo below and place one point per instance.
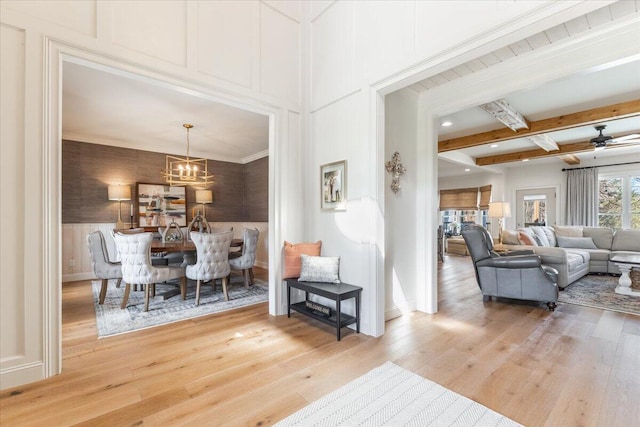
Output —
(77, 276)
(392, 313)
(20, 375)
(262, 264)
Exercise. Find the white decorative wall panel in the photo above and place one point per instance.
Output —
(155, 28)
(319, 6)
(227, 40)
(76, 262)
(401, 113)
(381, 51)
(12, 159)
(79, 16)
(290, 8)
(440, 25)
(332, 54)
(280, 55)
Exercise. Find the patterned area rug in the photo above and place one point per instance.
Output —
(598, 291)
(392, 396)
(111, 320)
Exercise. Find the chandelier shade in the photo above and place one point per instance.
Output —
(182, 171)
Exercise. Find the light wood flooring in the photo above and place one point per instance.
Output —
(576, 367)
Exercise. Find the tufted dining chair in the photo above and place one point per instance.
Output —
(247, 259)
(212, 253)
(102, 267)
(135, 255)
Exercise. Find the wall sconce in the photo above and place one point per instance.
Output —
(119, 193)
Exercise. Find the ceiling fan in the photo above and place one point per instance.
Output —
(601, 141)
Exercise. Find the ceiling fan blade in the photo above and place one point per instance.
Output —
(625, 138)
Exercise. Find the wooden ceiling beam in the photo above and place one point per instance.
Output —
(536, 153)
(570, 159)
(576, 147)
(567, 121)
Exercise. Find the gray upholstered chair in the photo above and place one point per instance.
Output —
(518, 275)
(135, 256)
(247, 259)
(212, 253)
(102, 267)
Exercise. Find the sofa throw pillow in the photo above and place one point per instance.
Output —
(540, 236)
(292, 252)
(576, 242)
(526, 239)
(568, 230)
(320, 269)
(510, 237)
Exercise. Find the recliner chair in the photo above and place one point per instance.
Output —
(517, 275)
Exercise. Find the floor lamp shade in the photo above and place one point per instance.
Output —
(119, 193)
(499, 210)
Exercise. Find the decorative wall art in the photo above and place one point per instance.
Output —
(396, 169)
(159, 205)
(333, 186)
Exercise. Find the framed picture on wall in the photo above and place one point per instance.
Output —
(333, 186)
(159, 205)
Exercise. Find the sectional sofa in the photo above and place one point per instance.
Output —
(574, 250)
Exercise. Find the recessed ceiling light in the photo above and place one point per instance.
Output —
(446, 123)
(467, 170)
(494, 146)
(525, 160)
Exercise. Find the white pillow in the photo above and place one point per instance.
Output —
(576, 242)
(320, 269)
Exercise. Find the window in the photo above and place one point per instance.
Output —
(535, 209)
(619, 201)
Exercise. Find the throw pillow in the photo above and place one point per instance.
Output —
(568, 230)
(292, 252)
(526, 239)
(510, 237)
(540, 236)
(576, 242)
(320, 269)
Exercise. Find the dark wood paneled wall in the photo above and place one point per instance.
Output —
(256, 190)
(88, 169)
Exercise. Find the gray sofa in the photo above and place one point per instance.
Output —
(573, 250)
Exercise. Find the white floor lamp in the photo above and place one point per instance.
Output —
(499, 210)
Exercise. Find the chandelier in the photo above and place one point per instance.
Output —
(180, 171)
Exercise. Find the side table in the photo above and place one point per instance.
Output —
(337, 292)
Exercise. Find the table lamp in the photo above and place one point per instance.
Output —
(119, 193)
(202, 197)
(499, 210)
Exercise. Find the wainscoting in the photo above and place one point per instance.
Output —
(76, 263)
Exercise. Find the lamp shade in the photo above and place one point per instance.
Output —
(119, 192)
(204, 196)
(499, 210)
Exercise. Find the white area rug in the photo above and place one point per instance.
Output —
(112, 320)
(392, 396)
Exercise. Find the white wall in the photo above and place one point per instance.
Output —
(400, 276)
(551, 175)
(245, 53)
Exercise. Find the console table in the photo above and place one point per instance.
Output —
(337, 292)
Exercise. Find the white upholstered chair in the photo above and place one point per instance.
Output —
(212, 251)
(246, 261)
(135, 256)
(102, 267)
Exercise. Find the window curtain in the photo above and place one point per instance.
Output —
(582, 197)
(461, 198)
